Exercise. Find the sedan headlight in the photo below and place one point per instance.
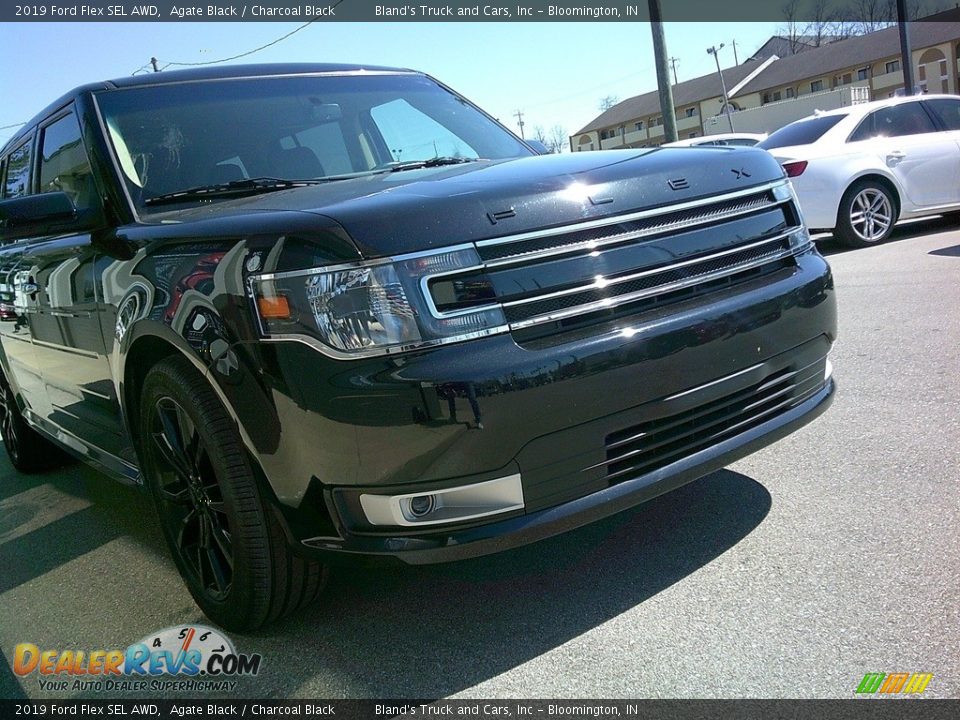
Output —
(379, 307)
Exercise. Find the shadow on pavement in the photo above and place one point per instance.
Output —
(436, 630)
(829, 245)
(952, 251)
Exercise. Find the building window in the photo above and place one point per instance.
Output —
(816, 86)
(692, 135)
(765, 99)
(657, 122)
(776, 96)
(789, 92)
(892, 66)
(846, 79)
(591, 146)
(623, 131)
(691, 112)
(638, 126)
(863, 73)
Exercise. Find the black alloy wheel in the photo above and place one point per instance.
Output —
(28, 451)
(194, 513)
(225, 538)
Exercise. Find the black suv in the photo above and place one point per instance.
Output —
(326, 311)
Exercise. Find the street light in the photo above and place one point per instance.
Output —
(726, 101)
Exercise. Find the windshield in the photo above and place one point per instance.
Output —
(802, 132)
(170, 138)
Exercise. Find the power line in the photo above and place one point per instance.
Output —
(248, 52)
(7, 127)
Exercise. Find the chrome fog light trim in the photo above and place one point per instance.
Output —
(449, 505)
(827, 370)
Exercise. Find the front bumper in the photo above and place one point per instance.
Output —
(324, 431)
(524, 529)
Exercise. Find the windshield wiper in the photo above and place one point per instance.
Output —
(250, 186)
(432, 162)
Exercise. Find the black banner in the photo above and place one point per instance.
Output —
(463, 11)
(875, 709)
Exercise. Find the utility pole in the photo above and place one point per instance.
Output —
(519, 116)
(663, 72)
(735, 60)
(153, 61)
(723, 85)
(673, 66)
(906, 53)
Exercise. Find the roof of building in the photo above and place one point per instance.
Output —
(685, 93)
(782, 47)
(862, 49)
(786, 68)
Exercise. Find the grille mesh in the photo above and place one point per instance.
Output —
(642, 448)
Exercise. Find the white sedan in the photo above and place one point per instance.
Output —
(725, 139)
(859, 169)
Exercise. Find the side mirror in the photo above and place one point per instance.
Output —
(539, 147)
(46, 214)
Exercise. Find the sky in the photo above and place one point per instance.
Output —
(553, 73)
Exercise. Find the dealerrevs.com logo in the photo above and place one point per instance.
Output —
(188, 658)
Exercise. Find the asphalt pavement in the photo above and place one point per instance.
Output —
(832, 553)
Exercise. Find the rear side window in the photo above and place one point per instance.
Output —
(17, 180)
(802, 132)
(947, 111)
(63, 162)
(894, 121)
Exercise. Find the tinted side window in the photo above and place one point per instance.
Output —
(895, 121)
(64, 164)
(947, 111)
(801, 132)
(17, 180)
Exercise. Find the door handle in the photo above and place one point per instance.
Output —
(895, 155)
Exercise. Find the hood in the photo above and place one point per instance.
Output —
(401, 212)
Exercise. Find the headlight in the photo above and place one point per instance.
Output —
(379, 307)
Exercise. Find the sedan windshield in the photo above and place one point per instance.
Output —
(193, 141)
(801, 132)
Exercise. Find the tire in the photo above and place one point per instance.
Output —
(28, 450)
(227, 544)
(867, 214)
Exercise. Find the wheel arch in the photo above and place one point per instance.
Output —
(887, 182)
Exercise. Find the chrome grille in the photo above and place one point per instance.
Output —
(640, 449)
(591, 271)
(625, 229)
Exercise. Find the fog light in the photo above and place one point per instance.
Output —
(421, 505)
(448, 505)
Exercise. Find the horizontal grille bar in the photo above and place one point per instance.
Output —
(610, 293)
(626, 228)
(640, 449)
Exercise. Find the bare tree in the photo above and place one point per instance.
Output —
(558, 141)
(540, 135)
(792, 28)
(608, 102)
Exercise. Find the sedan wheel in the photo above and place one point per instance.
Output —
(867, 215)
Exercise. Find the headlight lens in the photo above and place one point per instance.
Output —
(374, 308)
